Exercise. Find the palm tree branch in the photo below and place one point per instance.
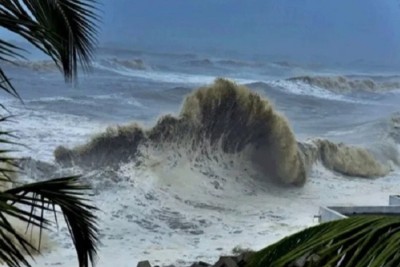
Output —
(66, 193)
(357, 241)
(66, 31)
(63, 29)
(9, 51)
(11, 254)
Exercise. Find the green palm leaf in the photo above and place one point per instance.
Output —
(63, 29)
(8, 166)
(354, 242)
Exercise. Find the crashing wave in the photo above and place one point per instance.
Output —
(345, 159)
(224, 116)
(220, 120)
(341, 84)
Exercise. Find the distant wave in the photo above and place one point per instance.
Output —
(285, 64)
(40, 65)
(238, 63)
(229, 125)
(299, 88)
(160, 76)
(222, 63)
(200, 63)
(48, 65)
(135, 64)
(341, 84)
(164, 76)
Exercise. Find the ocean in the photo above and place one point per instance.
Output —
(182, 174)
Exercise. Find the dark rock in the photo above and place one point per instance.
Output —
(242, 259)
(143, 264)
(300, 262)
(111, 148)
(313, 258)
(226, 262)
(196, 232)
(200, 264)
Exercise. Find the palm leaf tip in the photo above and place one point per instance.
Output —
(354, 242)
(66, 193)
(72, 27)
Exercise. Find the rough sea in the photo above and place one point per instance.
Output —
(170, 206)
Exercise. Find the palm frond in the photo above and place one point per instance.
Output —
(6, 85)
(63, 29)
(67, 194)
(9, 167)
(66, 31)
(9, 51)
(354, 242)
(22, 203)
(12, 245)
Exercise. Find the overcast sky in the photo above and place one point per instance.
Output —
(333, 30)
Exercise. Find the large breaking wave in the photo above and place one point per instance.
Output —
(225, 122)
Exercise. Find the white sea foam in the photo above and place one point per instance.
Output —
(170, 213)
(173, 215)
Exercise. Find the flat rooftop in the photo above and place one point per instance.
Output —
(332, 213)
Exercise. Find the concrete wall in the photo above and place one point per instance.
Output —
(327, 214)
(364, 210)
(394, 200)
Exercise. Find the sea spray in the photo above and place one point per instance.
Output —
(394, 127)
(240, 119)
(111, 148)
